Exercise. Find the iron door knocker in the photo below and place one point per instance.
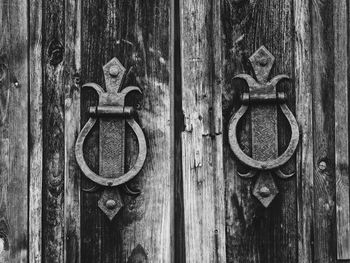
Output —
(263, 99)
(112, 114)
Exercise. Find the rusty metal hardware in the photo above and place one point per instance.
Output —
(112, 114)
(263, 99)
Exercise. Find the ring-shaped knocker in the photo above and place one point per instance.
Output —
(263, 98)
(104, 181)
(269, 164)
(113, 114)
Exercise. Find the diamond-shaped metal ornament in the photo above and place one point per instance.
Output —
(262, 61)
(114, 73)
(110, 203)
(265, 189)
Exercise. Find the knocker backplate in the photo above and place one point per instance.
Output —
(263, 100)
(113, 114)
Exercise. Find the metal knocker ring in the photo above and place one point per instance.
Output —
(269, 164)
(105, 181)
(263, 100)
(113, 114)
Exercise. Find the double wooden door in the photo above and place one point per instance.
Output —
(193, 206)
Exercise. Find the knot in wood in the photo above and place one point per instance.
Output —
(322, 165)
(55, 52)
(3, 72)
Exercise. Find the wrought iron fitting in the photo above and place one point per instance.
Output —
(113, 114)
(117, 111)
(279, 97)
(263, 100)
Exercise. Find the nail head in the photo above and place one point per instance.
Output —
(110, 204)
(114, 71)
(264, 191)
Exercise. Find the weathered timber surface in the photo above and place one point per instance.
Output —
(71, 85)
(215, 218)
(341, 107)
(53, 93)
(179, 247)
(304, 115)
(202, 170)
(35, 132)
(138, 34)
(254, 233)
(14, 131)
(323, 211)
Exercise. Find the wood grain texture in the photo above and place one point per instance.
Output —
(71, 82)
(14, 130)
(138, 34)
(179, 247)
(203, 181)
(253, 233)
(53, 131)
(4, 223)
(341, 108)
(35, 132)
(323, 211)
(304, 115)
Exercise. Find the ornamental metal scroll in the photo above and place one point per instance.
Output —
(112, 114)
(263, 99)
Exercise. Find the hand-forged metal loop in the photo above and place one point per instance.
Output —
(269, 164)
(104, 180)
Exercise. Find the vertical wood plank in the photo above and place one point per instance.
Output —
(149, 219)
(14, 130)
(4, 224)
(216, 124)
(341, 106)
(138, 34)
(95, 241)
(203, 182)
(253, 233)
(61, 124)
(53, 131)
(35, 132)
(179, 225)
(304, 114)
(323, 211)
(71, 82)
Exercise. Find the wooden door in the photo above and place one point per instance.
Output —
(193, 205)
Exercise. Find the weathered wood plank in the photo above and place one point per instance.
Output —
(138, 34)
(203, 181)
(323, 211)
(35, 134)
(53, 131)
(253, 233)
(341, 106)
(14, 129)
(4, 223)
(304, 114)
(216, 124)
(93, 242)
(179, 247)
(71, 82)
